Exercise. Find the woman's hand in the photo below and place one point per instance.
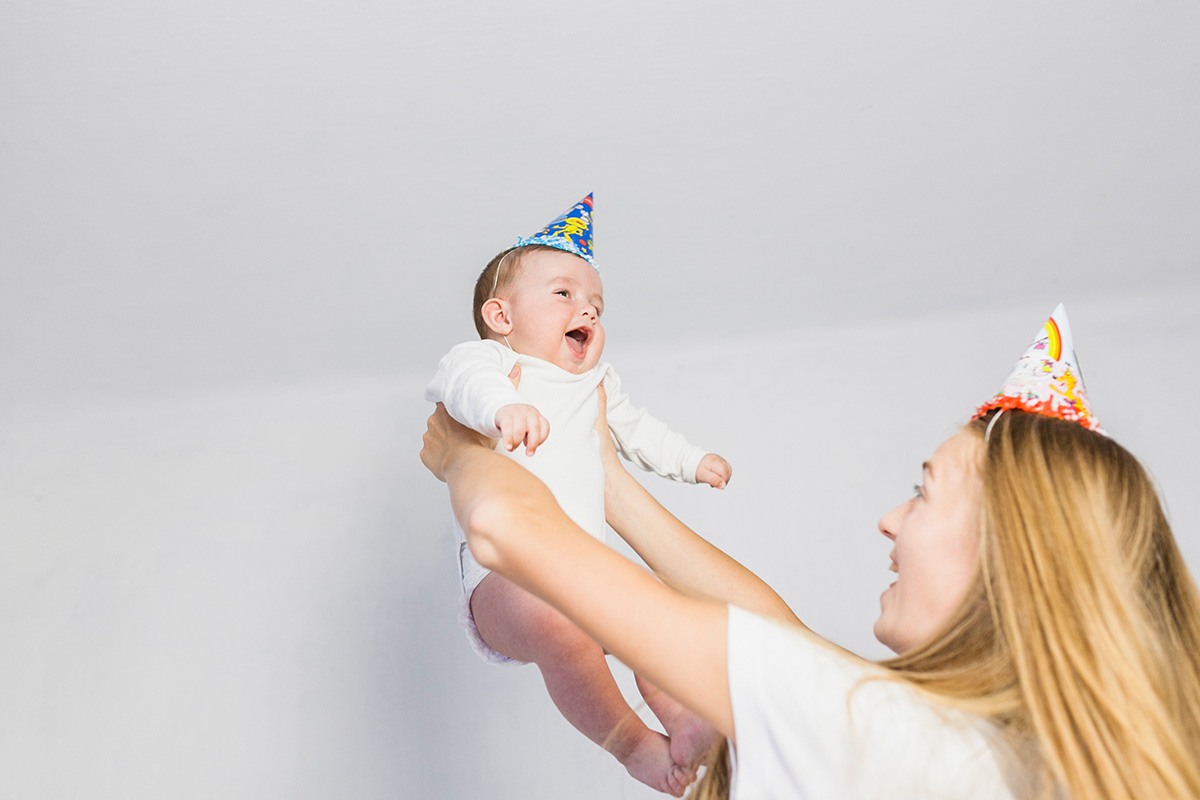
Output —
(444, 439)
(617, 480)
(608, 450)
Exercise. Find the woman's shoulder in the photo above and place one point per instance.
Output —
(813, 720)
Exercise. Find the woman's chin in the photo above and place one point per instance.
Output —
(885, 635)
(881, 634)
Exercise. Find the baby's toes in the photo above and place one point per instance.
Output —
(679, 779)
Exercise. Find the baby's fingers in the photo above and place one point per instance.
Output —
(539, 430)
(514, 433)
(715, 471)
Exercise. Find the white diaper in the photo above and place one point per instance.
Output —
(472, 573)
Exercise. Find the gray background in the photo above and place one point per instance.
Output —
(235, 237)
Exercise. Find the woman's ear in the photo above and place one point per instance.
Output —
(495, 315)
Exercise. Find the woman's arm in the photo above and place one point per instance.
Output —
(515, 527)
(678, 556)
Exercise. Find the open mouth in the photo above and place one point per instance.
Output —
(577, 341)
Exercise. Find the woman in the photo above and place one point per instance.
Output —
(1044, 622)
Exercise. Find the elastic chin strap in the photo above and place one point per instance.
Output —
(496, 277)
(987, 434)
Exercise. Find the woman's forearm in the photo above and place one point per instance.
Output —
(681, 558)
(515, 527)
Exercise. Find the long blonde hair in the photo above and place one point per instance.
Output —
(1080, 636)
(1082, 632)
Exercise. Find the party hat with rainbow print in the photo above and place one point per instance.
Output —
(571, 231)
(1047, 379)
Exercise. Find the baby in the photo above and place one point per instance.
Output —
(538, 306)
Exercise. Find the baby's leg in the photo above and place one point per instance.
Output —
(514, 622)
(691, 736)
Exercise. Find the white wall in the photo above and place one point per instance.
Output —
(235, 237)
(251, 593)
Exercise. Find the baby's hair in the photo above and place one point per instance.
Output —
(496, 278)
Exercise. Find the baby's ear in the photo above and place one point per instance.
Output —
(495, 315)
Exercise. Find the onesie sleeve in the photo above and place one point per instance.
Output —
(646, 440)
(472, 383)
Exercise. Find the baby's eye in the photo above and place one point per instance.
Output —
(563, 292)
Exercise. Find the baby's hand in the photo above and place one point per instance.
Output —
(714, 470)
(521, 422)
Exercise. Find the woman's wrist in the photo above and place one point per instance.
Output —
(446, 442)
(619, 489)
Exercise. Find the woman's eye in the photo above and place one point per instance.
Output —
(918, 491)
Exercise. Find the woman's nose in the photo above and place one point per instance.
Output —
(889, 523)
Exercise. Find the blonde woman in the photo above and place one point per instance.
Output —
(1045, 626)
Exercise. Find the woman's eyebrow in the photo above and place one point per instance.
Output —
(927, 467)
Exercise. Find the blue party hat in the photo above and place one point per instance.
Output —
(571, 231)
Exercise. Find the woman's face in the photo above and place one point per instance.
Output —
(936, 537)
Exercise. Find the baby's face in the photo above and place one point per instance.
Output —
(555, 306)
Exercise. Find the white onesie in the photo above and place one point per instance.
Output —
(472, 382)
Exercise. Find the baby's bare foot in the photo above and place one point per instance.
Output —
(651, 763)
(691, 737)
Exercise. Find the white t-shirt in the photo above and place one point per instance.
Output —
(809, 726)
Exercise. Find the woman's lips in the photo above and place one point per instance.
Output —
(892, 568)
